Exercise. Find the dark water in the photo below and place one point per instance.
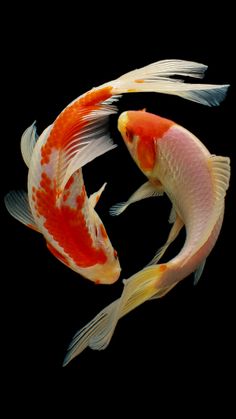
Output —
(185, 337)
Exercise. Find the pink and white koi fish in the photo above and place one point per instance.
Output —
(57, 204)
(178, 164)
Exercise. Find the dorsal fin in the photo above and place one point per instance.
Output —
(28, 141)
(220, 170)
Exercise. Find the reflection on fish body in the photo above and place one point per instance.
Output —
(178, 164)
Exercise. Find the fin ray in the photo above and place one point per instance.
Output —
(28, 141)
(147, 190)
(156, 78)
(17, 205)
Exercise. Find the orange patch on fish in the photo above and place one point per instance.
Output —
(70, 182)
(67, 225)
(162, 268)
(72, 120)
(146, 153)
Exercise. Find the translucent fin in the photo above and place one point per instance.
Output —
(198, 272)
(174, 232)
(17, 205)
(145, 191)
(172, 216)
(98, 332)
(28, 141)
(35, 169)
(162, 292)
(94, 198)
(156, 78)
(87, 143)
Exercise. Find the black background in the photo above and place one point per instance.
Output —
(181, 343)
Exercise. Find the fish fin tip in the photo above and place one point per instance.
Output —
(17, 204)
(157, 77)
(28, 141)
(146, 190)
(94, 198)
(198, 272)
(172, 216)
(117, 209)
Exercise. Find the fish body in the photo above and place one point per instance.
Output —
(178, 164)
(56, 203)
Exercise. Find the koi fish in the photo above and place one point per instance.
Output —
(178, 164)
(57, 204)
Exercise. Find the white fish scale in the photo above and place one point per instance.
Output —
(182, 168)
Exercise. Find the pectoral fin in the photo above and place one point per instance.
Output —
(17, 205)
(145, 191)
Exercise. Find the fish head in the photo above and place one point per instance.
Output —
(141, 132)
(136, 128)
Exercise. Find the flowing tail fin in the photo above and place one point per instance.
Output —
(156, 77)
(137, 289)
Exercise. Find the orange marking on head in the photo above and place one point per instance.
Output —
(103, 231)
(70, 121)
(67, 225)
(146, 153)
(148, 127)
(139, 81)
(98, 281)
(147, 124)
(162, 268)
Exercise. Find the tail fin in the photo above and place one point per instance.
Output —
(156, 77)
(98, 332)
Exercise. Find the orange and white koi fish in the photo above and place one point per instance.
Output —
(57, 204)
(178, 164)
